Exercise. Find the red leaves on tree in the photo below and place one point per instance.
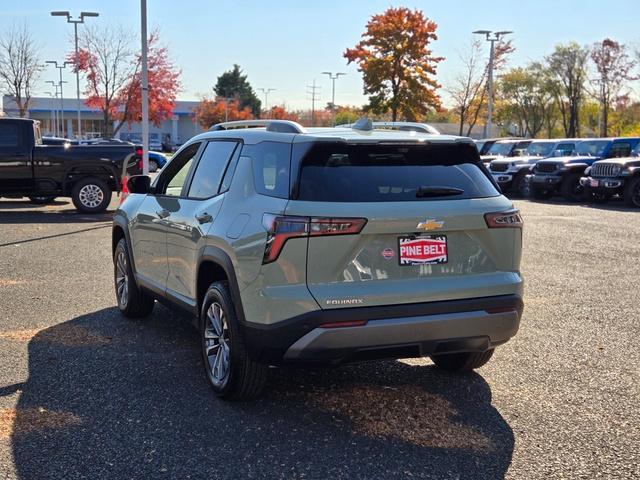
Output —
(209, 112)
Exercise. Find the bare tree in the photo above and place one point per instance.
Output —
(614, 69)
(20, 65)
(469, 88)
(107, 58)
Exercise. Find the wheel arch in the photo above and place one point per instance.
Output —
(215, 265)
(79, 172)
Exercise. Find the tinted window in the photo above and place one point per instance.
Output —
(565, 149)
(9, 135)
(594, 148)
(500, 149)
(542, 149)
(376, 173)
(620, 149)
(271, 163)
(211, 167)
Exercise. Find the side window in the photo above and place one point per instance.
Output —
(271, 163)
(620, 149)
(174, 175)
(9, 135)
(566, 149)
(211, 167)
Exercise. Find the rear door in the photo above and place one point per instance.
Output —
(16, 173)
(425, 237)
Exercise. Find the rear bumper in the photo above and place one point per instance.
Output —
(396, 331)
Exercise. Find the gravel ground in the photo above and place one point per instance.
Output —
(85, 393)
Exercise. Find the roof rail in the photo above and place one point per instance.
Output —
(405, 126)
(282, 126)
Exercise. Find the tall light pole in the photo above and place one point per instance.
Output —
(492, 39)
(75, 32)
(52, 114)
(60, 68)
(333, 77)
(54, 110)
(266, 92)
(145, 87)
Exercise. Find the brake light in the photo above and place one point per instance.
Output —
(124, 193)
(282, 228)
(507, 219)
(139, 153)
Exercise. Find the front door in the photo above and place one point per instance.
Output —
(149, 227)
(16, 175)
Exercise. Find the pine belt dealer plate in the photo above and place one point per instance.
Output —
(423, 250)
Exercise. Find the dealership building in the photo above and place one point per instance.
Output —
(59, 118)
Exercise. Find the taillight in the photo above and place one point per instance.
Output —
(124, 193)
(282, 228)
(139, 153)
(507, 219)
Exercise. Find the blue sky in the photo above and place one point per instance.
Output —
(285, 44)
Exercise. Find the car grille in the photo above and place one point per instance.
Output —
(546, 167)
(499, 167)
(605, 170)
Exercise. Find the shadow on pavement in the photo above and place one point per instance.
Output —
(111, 398)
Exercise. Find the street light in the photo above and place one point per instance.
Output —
(266, 92)
(75, 31)
(54, 111)
(492, 39)
(60, 68)
(333, 78)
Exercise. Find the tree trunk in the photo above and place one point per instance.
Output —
(605, 120)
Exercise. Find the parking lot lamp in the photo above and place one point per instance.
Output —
(75, 22)
(266, 92)
(333, 78)
(60, 68)
(491, 39)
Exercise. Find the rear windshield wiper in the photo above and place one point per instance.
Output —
(424, 192)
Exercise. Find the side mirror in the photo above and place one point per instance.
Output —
(139, 184)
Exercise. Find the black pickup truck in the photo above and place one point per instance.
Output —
(88, 174)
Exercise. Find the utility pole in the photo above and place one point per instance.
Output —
(54, 112)
(266, 92)
(75, 31)
(314, 92)
(145, 87)
(60, 68)
(492, 39)
(333, 78)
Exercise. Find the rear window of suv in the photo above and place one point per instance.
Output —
(384, 173)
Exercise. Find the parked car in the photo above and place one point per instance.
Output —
(505, 148)
(483, 145)
(562, 174)
(157, 160)
(87, 174)
(511, 173)
(614, 176)
(300, 246)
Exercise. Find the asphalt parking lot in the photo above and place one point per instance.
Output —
(85, 393)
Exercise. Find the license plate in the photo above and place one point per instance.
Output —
(594, 183)
(423, 250)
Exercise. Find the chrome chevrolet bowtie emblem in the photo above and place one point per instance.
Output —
(430, 224)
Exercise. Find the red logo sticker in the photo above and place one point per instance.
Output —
(388, 253)
(423, 251)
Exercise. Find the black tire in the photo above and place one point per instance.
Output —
(153, 166)
(570, 188)
(521, 186)
(462, 362)
(541, 193)
(632, 192)
(132, 301)
(241, 378)
(42, 200)
(91, 195)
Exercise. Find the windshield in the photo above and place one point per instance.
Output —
(540, 149)
(502, 149)
(592, 148)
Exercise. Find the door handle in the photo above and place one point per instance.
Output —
(204, 218)
(163, 213)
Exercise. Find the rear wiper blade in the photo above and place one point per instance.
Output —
(423, 192)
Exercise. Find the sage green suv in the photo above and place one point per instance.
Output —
(299, 246)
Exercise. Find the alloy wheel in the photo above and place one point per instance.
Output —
(122, 279)
(217, 344)
(91, 196)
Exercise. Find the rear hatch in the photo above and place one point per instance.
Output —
(420, 213)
